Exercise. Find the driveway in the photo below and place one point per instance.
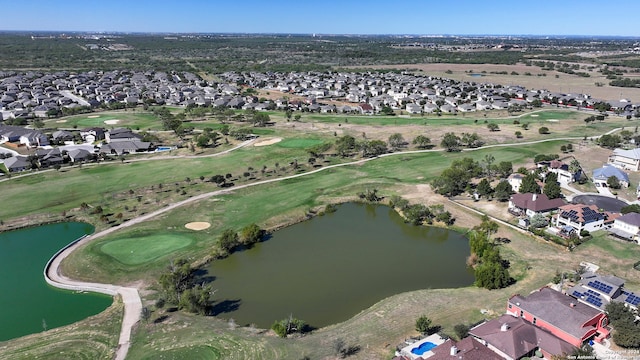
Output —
(602, 202)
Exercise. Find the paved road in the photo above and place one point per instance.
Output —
(130, 296)
(75, 98)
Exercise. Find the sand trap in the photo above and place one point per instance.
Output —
(61, 121)
(93, 116)
(111, 122)
(534, 115)
(197, 226)
(553, 120)
(266, 142)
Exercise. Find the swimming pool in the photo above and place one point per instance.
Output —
(423, 348)
(164, 148)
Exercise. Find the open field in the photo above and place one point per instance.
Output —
(377, 329)
(135, 119)
(564, 83)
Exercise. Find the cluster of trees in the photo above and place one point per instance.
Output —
(178, 287)
(347, 146)
(452, 142)
(208, 138)
(609, 141)
(455, 179)
(418, 214)
(490, 270)
(626, 330)
(229, 240)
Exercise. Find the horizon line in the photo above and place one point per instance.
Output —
(316, 34)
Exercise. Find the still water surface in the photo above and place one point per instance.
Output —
(327, 269)
(27, 302)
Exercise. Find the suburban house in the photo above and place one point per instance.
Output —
(578, 217)
(468, 348)
(17, 163)
(561, 315)
(601, 175)
(626, 159)
(561, 169)
(531, 204)
(121, 134)
(79, 155)
(28, 137)
(598, 291)
(627, 227)
(515, 180)
(514, 338)
(92, 134)
(126, 147)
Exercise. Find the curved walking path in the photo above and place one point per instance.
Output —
(130, 297)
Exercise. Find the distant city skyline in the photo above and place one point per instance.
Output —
(357, 17)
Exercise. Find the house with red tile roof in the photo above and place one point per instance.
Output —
(561, 315)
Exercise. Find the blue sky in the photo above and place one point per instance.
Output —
(565, 17)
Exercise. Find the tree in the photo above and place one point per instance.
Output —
(454, 180)
(552, 187)
(345, 145)
(543, 130)
(503, 191)
(493, 127)
(504, 169)
(396, 141)
(630, 208)
(450, 142)
(176, 280)
(613, 182)
(218, 179)
(491, 275)
(488, 164)
(530, 184)
(609, 141)
(251, 234)
(471, 140)
(518, 134)
(423, 325)
(626, 331)
(484, 188)
(421, 142)
(461, 331)
(539, 221)
(416, 214)
(228, 240)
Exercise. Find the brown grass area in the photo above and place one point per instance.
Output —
(565, 83)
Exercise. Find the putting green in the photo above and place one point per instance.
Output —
(299, 143)
(139, 250)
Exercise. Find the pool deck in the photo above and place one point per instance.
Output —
(435, 339)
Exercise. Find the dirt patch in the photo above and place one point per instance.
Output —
(266, 142)
(93, 116)
(111, 122)
(197, 226)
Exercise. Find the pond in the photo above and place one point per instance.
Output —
(27, 302)
(327, 269)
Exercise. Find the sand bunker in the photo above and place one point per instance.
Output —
(266, 142)
(111, 122)
(61, 121)
(93, 116)
(197, 226)
(534, 115)
(553, 120)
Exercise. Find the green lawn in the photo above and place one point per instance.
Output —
(133, 119)
(299, 143)
(135, 251)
